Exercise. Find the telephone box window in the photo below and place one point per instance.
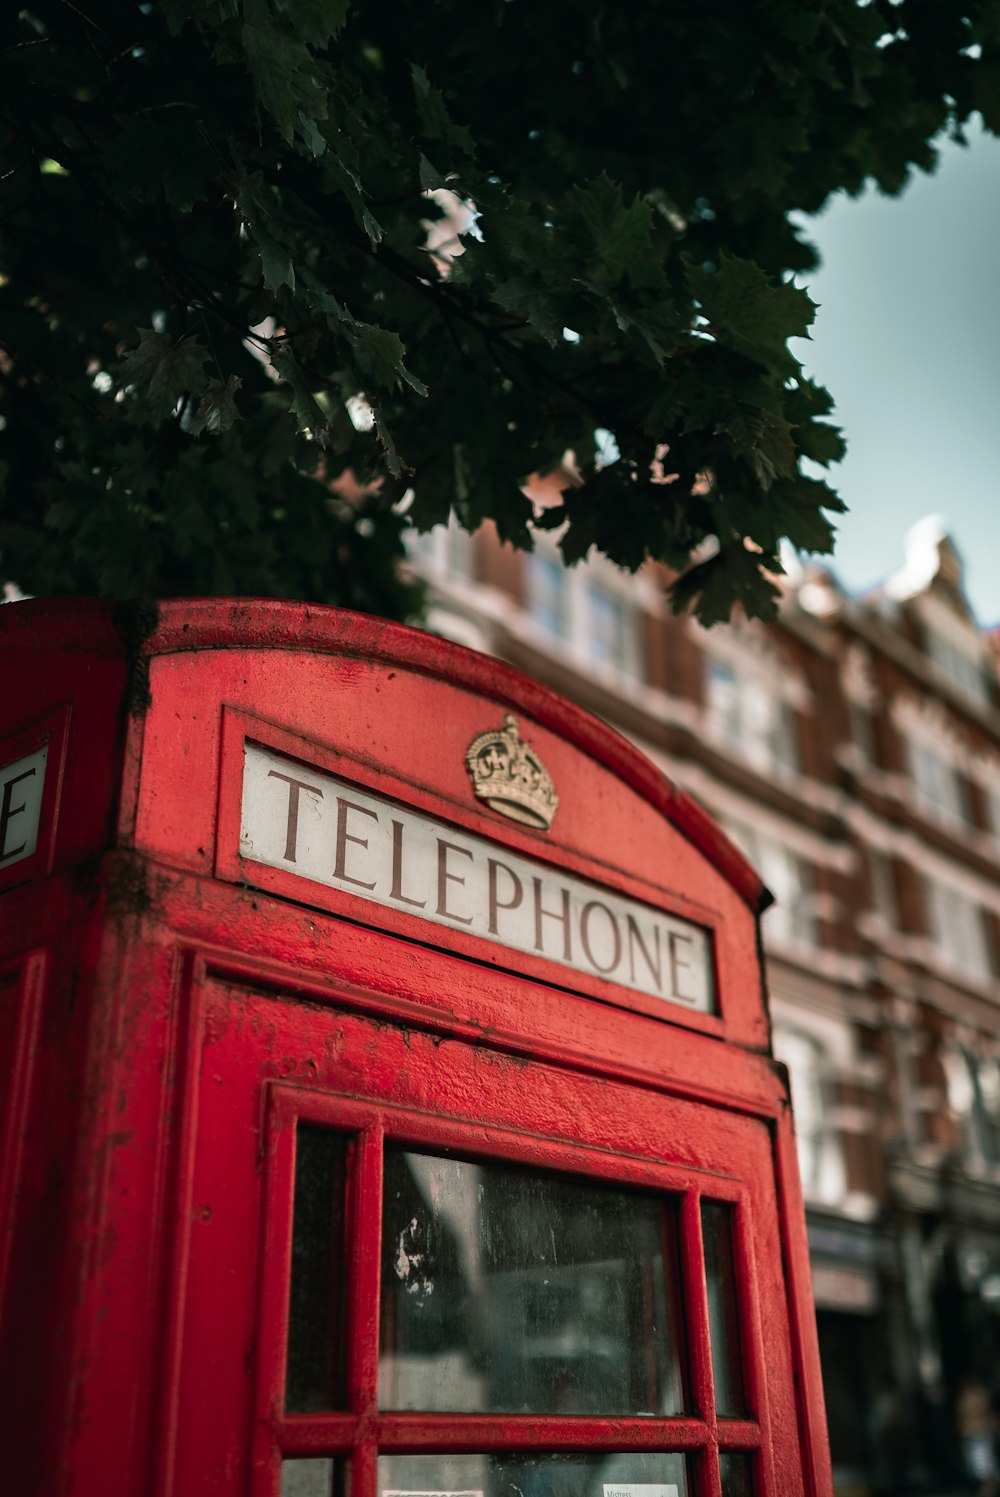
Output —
(314, 1376)
(609, 1474)
(310, 1477)
(736, 1472)
(509, 1290)
(723, 1318)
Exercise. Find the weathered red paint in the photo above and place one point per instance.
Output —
(168, 1010)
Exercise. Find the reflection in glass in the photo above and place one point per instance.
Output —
(307, 1478)
(314, 1376)
(508, 1290)
(606, 1475)
(723, 1324)
(737, 1474)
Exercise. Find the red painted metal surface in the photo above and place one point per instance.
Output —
(171, 1008)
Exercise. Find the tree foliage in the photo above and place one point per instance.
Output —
(217, 292)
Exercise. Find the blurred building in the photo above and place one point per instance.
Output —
(853, 751)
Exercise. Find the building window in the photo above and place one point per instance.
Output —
(790, 919)
(992, 798)
(607, 627)
(820, 1162)
(956, 929)
(458, 551)
(578, 609)
(985, 1076)
(745, 712)
(863, 731)
(940, 788)
(883, 886)
(442, 552)
(963, 667)
(974, 1097)
(547, 594)
(422, 545)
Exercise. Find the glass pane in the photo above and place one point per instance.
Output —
(737, 1474)
(307, 1478)
(723, 1322)
(507, 1290)
(606, 1475)
(314, 1376)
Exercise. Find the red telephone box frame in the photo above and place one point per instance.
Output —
(137, 922)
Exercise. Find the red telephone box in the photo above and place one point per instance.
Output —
(388, 1106)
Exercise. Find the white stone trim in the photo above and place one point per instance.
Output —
(820, 961)
(833, 1033)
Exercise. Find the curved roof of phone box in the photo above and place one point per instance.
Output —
(143, 628)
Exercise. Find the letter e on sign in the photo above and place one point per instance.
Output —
(21, 806)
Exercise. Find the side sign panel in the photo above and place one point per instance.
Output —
(21, 806)
(305, 821)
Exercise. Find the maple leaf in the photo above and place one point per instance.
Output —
(217, 408)
(161, 371)
(617, 236)
(309, 414)
(745, 311)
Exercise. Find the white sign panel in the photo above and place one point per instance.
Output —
(21, 806)
(640, 1489)
(307, 822)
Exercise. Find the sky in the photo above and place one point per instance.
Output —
(907, 340)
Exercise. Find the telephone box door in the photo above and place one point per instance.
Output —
(470, 1272)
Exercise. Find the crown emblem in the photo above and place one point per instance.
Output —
(510, 777)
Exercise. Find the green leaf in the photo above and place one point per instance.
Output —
(746, 312)
(217, 409)
(387, 445)
(309, 414)
(434, 117)
(430, 178)
(532, 303)
(629, 324)
(350, 183)
(152, 158)
(986, 90)
(379, 355)
(762, 440)
(797, 506)
(616, 238)
(317, 21)
(282, 70)
(275, 256)
(311, 134)
(161, 371)
(710, 588)
(821, 443)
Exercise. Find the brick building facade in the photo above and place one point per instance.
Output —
(853, 751)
